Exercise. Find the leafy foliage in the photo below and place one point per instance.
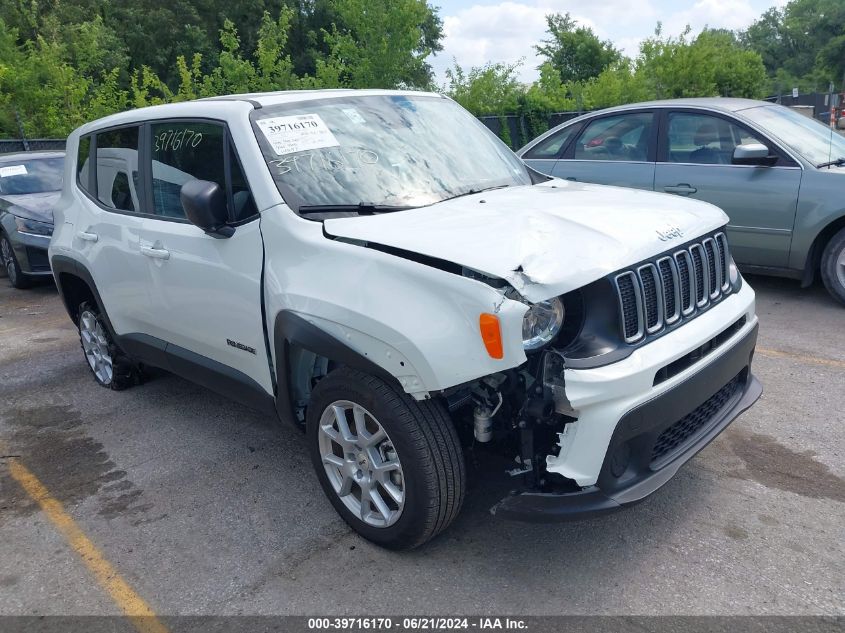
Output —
(63, 63)
(575, 51)
(802, 45)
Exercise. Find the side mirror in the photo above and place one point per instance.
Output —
(205, 205)
(752, 154)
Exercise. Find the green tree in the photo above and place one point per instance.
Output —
(384, 43)
(488, 89)
(802, 44)
(575, 51)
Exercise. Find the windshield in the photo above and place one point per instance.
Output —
(380, 151)
(31, 175)
(810, 138)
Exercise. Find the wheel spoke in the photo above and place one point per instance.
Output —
(393, 490)
(371, 439)
(343, 424)
(378, 502)
(334, 460)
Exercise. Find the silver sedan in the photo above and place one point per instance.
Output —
(779, 175)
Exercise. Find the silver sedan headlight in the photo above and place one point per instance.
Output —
(33, 227)
(541, 323)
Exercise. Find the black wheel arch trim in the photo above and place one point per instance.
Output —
(62, 264)
(291, 329)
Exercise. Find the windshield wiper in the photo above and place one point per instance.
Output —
(837, 162)
(481, 190)
(362, 208)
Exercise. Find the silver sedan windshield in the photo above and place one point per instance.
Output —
(810, 138)
(380, 151)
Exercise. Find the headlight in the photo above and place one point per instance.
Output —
(541, 323)
(33, 227)
(733, 276)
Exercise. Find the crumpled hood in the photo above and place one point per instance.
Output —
(546, 239)
(33, 206)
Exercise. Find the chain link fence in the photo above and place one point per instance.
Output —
(9, 145)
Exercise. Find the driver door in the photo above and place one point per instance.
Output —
(206, 291)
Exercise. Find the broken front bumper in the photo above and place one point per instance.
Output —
(654, 439)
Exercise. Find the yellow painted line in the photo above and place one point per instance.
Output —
(811, 360)
(133, 606)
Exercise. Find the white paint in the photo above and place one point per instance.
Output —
(417, 322)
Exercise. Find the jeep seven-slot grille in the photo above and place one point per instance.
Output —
(674, 287)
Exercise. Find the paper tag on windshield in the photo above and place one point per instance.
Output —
(297, 133)
(13, 170)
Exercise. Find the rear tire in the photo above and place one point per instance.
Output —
(16, 276)
(396, 473)
(110, 366)
(833, 266)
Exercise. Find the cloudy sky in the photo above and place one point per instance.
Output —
(478, 31)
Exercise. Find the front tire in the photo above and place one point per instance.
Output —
(833, 266)
(111, 368)
(16, 276)
(392, 467)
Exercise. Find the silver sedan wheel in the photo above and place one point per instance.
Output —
(840, 268)
(361, 463)
(8, 259)
(95, 346)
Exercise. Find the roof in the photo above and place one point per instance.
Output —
(18, 156)
(264, 99)
(217, 106)
(726, 104)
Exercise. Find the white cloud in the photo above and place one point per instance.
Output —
(507, 31)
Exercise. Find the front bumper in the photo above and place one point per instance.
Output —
(654, 438)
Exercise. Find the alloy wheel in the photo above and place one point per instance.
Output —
(96, 347)
(8, 260)
(840, 268)
(361, 463)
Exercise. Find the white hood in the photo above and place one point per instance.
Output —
(546, 239)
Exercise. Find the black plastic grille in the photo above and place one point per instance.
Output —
(652, 313)
(628, 297)
(710, 250)
(649, 296)
(683, 274)
(698, 268)
(695, 422)
(668, 280)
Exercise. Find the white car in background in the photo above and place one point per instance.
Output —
(376, 268)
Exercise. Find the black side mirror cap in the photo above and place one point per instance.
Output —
(205, 206)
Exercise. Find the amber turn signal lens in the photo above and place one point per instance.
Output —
(491, 334)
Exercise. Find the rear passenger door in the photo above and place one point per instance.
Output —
(108, 225)
(206, 291)
(613, 149)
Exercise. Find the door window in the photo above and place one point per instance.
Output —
(704, 139)
(551, 147)
(183, 151)
(117, 168)
(626, 137)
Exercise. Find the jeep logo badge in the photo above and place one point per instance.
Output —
(669, 233)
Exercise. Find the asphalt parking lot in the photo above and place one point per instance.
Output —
(204, 507)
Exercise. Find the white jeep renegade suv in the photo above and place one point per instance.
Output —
(377, 268)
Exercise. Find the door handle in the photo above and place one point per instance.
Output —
(88, 237)
(572, 178)
(155, 253)
(682, 189)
